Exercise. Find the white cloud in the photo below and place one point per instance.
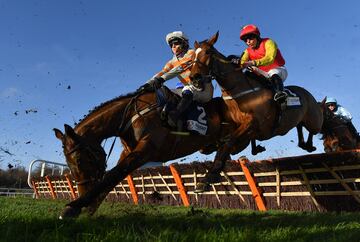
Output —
(10, 92)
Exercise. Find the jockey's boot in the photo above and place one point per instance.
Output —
(353, 130)
(174, 119)
(280, 96)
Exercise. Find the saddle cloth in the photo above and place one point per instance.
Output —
(195, 116)
(292, 100)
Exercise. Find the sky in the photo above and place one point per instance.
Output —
(59, 59)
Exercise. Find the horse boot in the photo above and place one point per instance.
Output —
(280, 96)
(174, 119)
(353, 130)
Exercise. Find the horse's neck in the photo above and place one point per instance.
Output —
(104, 122)
(232, 79)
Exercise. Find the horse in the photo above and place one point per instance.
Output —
(249, 104)
(135, 119)
(335, 133)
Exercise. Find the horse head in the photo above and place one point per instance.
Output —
(336, 134)
(210, 64)
(85, 158)
(201, 69)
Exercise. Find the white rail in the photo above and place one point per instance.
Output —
(54, 166)
(13, 192)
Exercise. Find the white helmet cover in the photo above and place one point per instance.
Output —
(330, 100)
(176, 35)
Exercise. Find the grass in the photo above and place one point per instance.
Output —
(25, 219)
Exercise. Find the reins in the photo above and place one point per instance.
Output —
(213, 70)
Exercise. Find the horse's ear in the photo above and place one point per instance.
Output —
(196, 44)
(214, 38)
(323, 102)
(58, 134)
(70, 132)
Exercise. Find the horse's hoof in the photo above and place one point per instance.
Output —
(258, 149)
(311, 149)
(303, 146)
(202, 187)
(70, 212)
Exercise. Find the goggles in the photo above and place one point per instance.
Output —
(249, 36)
(175, 42)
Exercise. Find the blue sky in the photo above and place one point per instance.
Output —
(59, 59)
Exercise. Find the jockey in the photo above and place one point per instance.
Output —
(342, 113)
(264, 54)
(179, 66)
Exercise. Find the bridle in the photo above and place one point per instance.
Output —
(213, 72)
(95, 161)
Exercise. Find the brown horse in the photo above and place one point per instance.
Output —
(336, 134)
(135, 119)
(250, 105)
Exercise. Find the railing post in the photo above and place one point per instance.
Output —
(52, 190)
(180, 186)
(252, 184)
(37, 195)
(71, 187)
(132, 189)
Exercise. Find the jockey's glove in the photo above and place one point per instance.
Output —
(156, 82)
(234, 59)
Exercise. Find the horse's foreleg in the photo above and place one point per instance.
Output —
(132, 161)
(221, 156)
(213, 175)
(91, 209)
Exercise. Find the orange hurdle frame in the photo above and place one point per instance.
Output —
(180, 186)
(252, 184)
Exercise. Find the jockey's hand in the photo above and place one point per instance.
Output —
(248, 64)
(234, 59)
(156, 82)
(146, 88)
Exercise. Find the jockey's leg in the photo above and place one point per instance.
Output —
(280, 95)
(174, 115)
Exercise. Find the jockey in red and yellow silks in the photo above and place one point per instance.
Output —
(263, 53)
(179, 66)
(267, 56)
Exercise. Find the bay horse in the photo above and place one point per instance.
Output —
(135, 119)
(250, 105)
(335, 132)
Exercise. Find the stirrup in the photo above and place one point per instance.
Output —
(280, 96)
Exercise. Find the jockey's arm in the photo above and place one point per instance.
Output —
(164, 72)
(244, 57)
(345, 114)
(174, 72)
(270, 54)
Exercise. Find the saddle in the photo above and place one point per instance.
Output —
(194, 119)
(292, 100)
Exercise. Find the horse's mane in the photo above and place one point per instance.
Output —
(104, 105)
